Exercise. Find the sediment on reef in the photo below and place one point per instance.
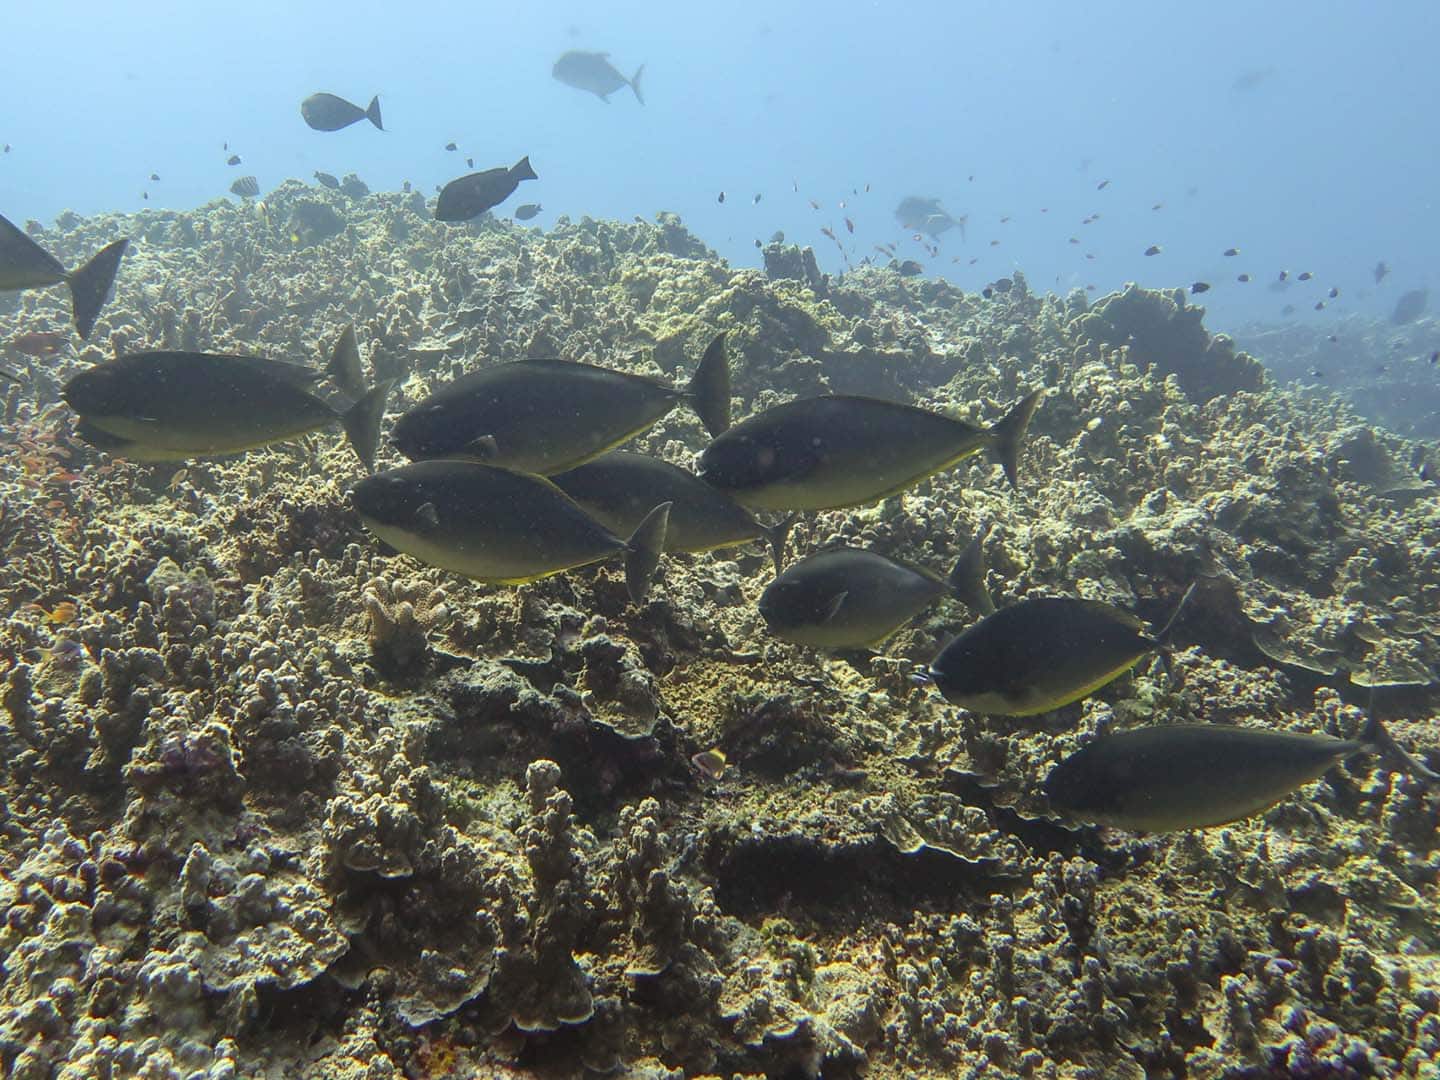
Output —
(276, 798)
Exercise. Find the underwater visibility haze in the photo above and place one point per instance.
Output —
(808, 540)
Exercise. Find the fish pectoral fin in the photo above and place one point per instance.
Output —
(832, 609)
(427, 516)
(485, 447)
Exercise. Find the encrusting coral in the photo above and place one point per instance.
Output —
(276, 800)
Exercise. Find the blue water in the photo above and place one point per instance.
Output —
(1322, 159)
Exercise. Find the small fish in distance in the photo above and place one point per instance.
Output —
(233, 159)
(593, 72)
(526, 211)
(1230, 252)
(324, 179)
(1153, 249)
(1199, 287)
(326, 112)
(247, 187)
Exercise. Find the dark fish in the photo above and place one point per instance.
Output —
(326, 112)
(1199, 287)
(526, 211)
(1410, 306)
(38, 343)
(927, 215)
(324, 179)
(849, 598)
(1435, 357)
(1316, 373)
(451, 146)
(850, 225)
(720, 198)
(823, 453)
(246, 187)
(1284, 274)
(1195, 776)
(160, 406)
(619, 488)
(1243, 277)
(496, 525)
(546, 416)
(1304, 275)
(1380, 271)
(24, 264)
(473, 194)
(1040, 654)
(7, 148)
(1153, 249)
(469, 162)
(1334, 292)
(593, 71)
(1102, 185)
(154, 176)
(1231, 252)
(1319, 305)
(755, 201)
(233, 159)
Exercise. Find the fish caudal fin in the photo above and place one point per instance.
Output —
(1009, 435)
(522, 170)
(372, 112)
(91, 284)
(642, 551)
(635, 83)
(709, 388)
(362, 423)
(1175, 615)
(777, 536)
(1378, 739)
(967, 578)
(344, 367)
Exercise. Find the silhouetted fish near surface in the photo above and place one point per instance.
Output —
(619, 488)
(1410, 306)
(326, 112)
(592, 71)
(1195, 776)
(824, 453)
(1153, 249)
(526, 211)
(163, 406)
(1199, 287)
(24, 264)
(247, 187)
(1380, 272)
(233, 159)
(1040, 654)
(324, 179)
(1230, 252)
(849, 598)
(497, 525)
(471, 195)
(546, 416)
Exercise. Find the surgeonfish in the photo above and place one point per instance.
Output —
(825, 453)
(24, 264)
(471, 195)
(326, 112)
(849, 598)
(1194, 776)
(546, 416)
(619, 488)
(592, 71)
(163, 406)
(1041, 653)
(500, 526)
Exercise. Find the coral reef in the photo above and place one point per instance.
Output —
(278, 802)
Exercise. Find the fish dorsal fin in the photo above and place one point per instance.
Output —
(427, 517)
(1117, 615)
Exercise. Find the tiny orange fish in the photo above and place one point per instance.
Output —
(62, 613)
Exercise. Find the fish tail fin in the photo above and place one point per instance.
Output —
(362, 423)
(372, 112)
(967, 578)
(91, 284)
(1380, 740)
(709, 388)
(643, 549)
(1009, 434)
(522, 170)
(635, 83)
(344, 367)
(777, 536)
